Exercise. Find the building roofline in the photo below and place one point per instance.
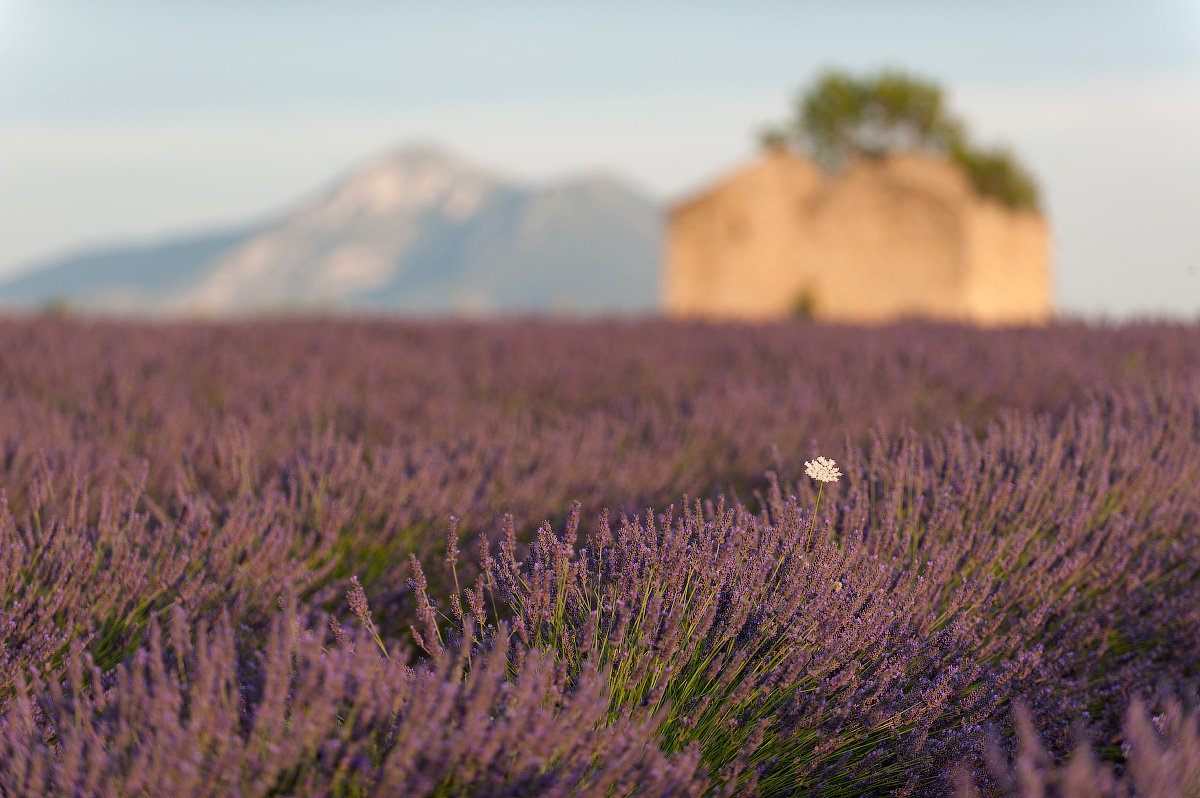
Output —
(706, 190)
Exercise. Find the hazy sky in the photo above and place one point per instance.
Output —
(143, 118)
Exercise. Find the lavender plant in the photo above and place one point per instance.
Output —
(1162, 760)
(866, 654)
(191, 715)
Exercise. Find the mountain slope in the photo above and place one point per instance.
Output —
(589, 245)
(103, 276)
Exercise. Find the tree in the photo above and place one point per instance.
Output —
(841, 117)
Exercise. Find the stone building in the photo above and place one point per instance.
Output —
(903, 236)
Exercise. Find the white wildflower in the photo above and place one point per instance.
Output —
(822, 469)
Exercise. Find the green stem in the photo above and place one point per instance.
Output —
(812, 526)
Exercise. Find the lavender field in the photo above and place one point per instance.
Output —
(365, 558)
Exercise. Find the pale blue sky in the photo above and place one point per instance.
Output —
(142, 118)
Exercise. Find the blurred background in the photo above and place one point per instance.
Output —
(465, 157)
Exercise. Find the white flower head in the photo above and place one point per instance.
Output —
(822, 469)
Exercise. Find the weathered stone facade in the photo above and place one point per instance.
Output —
(905, 236)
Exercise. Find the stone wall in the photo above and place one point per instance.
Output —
(900, 237)
(1010, 279)
(732, 252)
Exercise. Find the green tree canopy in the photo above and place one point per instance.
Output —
(842, 116)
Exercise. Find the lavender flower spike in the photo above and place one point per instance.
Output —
(822, 469)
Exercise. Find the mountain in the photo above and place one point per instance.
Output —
(416, 231)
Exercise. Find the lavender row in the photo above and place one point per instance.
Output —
(191, 715)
